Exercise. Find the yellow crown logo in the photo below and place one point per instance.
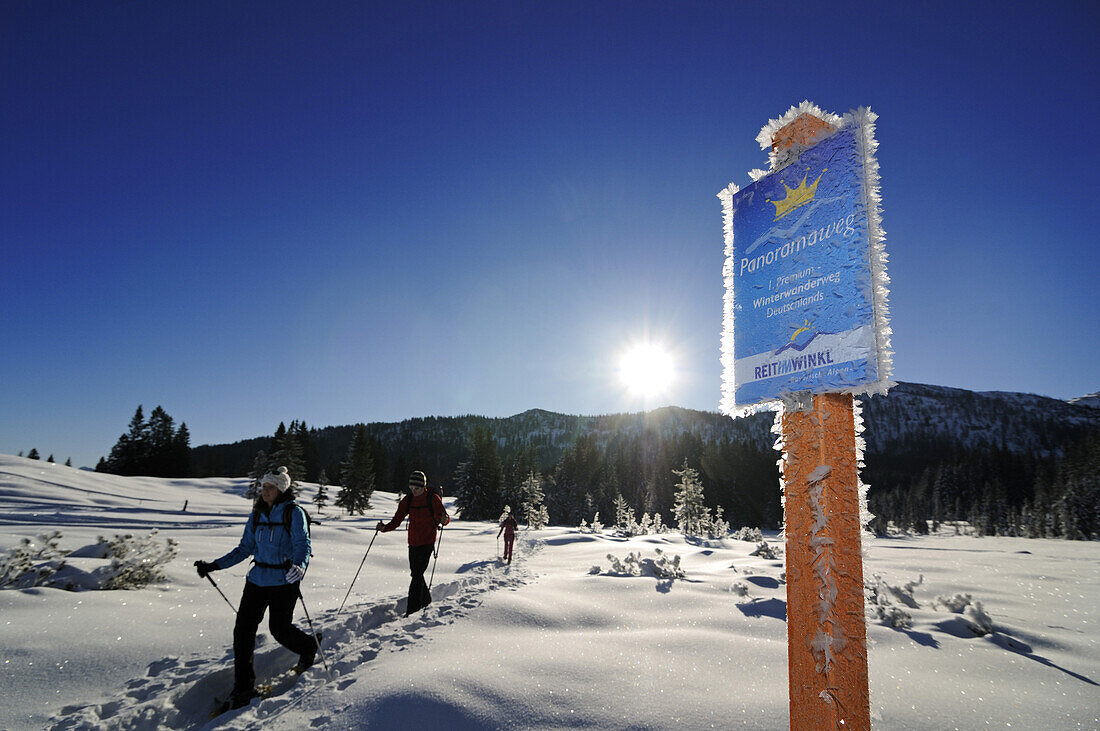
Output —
(796, 197)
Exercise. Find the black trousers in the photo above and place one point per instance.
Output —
(278, 601)
(419, 597)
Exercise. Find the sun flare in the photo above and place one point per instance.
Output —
(646, 369)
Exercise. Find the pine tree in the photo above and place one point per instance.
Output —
(129, 453)
(159, 456)
(321, 498)
(286, 451)
(181, 452)
(50, 459)
(357, 475)
(69, 462)
(529, 497)
(33, 454)
(307, 448)
(692, 515)
(478, 481)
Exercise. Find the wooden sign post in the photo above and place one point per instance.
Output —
(826, 629)
(810, 258)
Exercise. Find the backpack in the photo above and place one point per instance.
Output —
(429, 503)
(287, 513)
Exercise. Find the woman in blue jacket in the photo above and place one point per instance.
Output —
(280, 546)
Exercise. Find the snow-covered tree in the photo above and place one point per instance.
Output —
(537, 517)
(692, 516)
(531, 496)
(625, 522)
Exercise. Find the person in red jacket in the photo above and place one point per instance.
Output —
(426, 513)
(508, 527)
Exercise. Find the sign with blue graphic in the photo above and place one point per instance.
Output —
(803, 300)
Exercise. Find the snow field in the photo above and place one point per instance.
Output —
(542, 643)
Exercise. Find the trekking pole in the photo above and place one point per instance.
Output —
(356, 575)
(211, 580)
(436, 559)
(315, 639)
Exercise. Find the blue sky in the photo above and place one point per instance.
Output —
(256, 212)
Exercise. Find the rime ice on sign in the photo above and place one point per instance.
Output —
(805, 270)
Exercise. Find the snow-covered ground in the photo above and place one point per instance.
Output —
(543, 643)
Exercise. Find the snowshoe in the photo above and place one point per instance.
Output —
(308, 658)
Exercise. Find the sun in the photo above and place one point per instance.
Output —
(647, 370)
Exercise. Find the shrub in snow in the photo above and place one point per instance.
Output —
(32, 563)
(748, 534)
(980, 621)
(719, 527)
(661, 567)
(880, 601)
(904, 594)
(665, 567)
(629, 566)
(956, 604)
(135, 561)
(596, 527)
(893, 616)
(763, 550)
(740, 589)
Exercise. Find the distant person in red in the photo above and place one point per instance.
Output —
(508, 527)
(426, 513)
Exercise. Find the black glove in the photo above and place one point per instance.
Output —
(205, 568)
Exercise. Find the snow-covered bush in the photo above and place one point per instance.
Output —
(136, 561)
(956, 604)
(980, 621)
(665, 567)
(753, 535)
(765, 550)
(719, 527)
(595, 527)
(662, 566)
(740, 589)
(880, 597)
(32, 563)
(894, 616)
(630, 566)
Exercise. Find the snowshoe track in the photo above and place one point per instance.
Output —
(180, 694)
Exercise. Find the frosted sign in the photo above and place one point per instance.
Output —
(799, 277)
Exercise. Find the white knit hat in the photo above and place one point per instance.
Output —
(279, 478)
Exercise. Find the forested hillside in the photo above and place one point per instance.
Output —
(1010, 463)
